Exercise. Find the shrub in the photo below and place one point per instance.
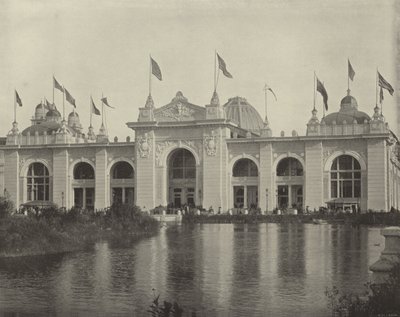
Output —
(6, 206)
(382, 299)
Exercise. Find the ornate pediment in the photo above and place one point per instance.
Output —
(179, 109)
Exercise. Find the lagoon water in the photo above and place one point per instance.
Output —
(209, 269)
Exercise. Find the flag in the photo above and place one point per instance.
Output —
(321, 89)
(18, 99)
(69, 98)
(381, 95)
(57, 85)
(155, 69)
(222, 66)
(104, 100)
(270, 89)
(384, 84)
(94, 108)
(48, 105)
(351, 70)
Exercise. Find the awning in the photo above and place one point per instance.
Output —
(39, 203)
(343, 201)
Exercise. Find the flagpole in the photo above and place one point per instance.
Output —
(215, 70)
(53, 89)
(314, 89)
(102, 110)
(15, 106)
(323, 107)
(91, 110)
(150, 76)
(348, 77)
(266, 101)
(376, 88)
(63, 103)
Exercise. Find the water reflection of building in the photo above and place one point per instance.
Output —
(349, 257)
(220, 155)
(246, 269)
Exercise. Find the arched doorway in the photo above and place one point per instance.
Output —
(182, 178)
(83, 185)
(122, 183)
(289, 182)
(245, 184)
(38, 183)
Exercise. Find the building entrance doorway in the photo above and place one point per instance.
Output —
(182, 179)
(290, 196)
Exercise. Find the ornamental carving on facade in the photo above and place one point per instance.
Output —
(178, 112)
(210, 144)
(161, 147)
(144, 146)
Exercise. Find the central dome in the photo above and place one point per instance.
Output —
(348, 113)
(244, 114)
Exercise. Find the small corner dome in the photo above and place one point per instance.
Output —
(240, 111)
(349, 103)
(53, 113)
(348, 113)
(40, 111)
(73, 119)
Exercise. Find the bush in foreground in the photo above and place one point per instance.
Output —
(377, 300)
(53, 231)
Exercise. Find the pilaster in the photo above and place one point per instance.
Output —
(266, 190)
(313, 175)
(145, 169)
(101, 191)
(377, 175)
(60, 178)
(11, 174)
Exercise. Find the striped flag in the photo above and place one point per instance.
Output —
(57, 85)
(350, 70)
(381, 95)
(18, 99)
(69, 97)
(384, 84)
(155, 69)
(222, 66)
(104, 100)
(94, 108)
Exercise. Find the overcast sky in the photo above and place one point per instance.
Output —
(96, 47)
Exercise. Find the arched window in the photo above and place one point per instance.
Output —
(38, 181)
(245, 167)
(289, 167)
(182, 165)
(83, 170)
(345, 177)
(122, 170)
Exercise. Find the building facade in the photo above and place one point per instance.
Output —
(222, 156)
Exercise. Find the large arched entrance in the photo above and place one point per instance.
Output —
(83, 185)
(289, 182)
(245, 184)
(181, 179)
(122, 183)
